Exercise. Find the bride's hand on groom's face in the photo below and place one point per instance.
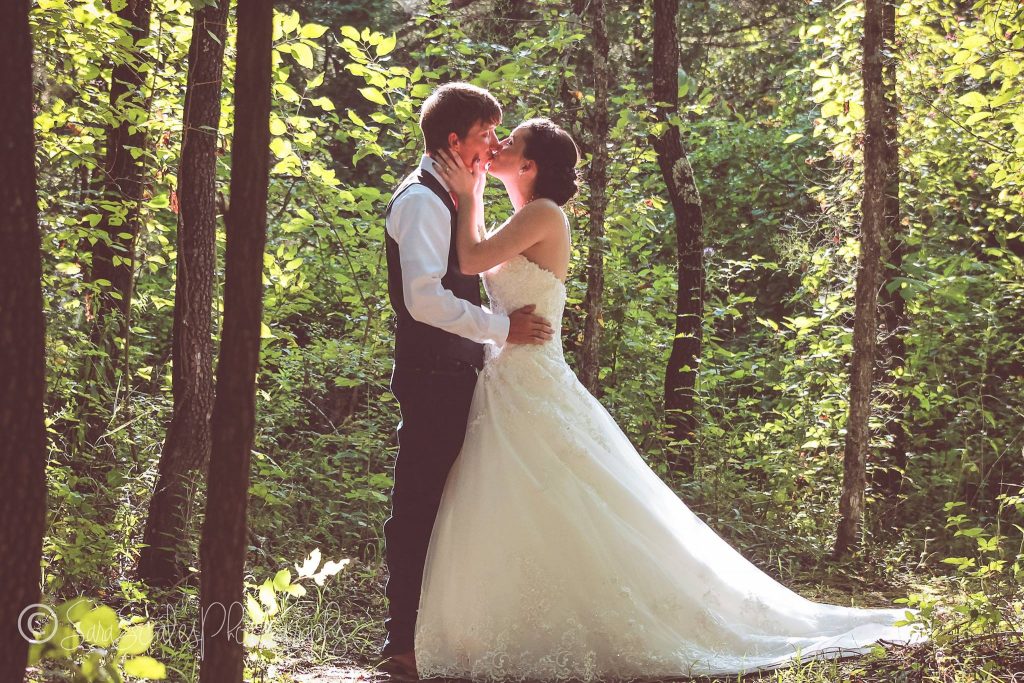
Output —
(464, 182)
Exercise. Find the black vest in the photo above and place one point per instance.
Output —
(418, 343)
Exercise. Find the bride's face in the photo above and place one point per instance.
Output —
(508, 160)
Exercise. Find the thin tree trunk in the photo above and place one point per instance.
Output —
(112, 257)
(22, 353)
(590, 353)
(894, 308)
(858, 434)
(113, 254)
(681, 372)
(187, 443)
(222, 551)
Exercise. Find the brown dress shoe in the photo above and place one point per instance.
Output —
(401, 667)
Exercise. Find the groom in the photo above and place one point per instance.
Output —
(441, 330)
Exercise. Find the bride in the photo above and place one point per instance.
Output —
(557, 553)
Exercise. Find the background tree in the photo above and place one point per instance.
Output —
(112, 265)
(597, 178)
(876, 180)
(224, 543)
(187, 443)
(22, 350)
(892, 468)
(682, 371)
(113, 254)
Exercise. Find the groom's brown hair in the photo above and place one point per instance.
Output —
(454, 108)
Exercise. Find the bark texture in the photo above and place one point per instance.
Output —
(113, 255)
(889, 477)
(681, 371)
(858, 433)
(590, 350)
(22, 338)
(223, 546)
(187, 442)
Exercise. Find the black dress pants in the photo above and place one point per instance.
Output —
(435, 407)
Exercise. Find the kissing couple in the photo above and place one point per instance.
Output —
(528, 539)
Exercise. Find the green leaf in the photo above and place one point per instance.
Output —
(373, 95)
(100, 626)
(312, 31)
(350, 32)
(310, 564)
(280, 147)
(973, 99)
(303, 55)
(355, 118)
(977, 116)
(287, 92)
(973, 42)
(283, 578)
(268, 598)
(136, 639)
(145, 667)
(253, 607)
(324, 103)
(387, 45)
(792, 138)
(421, 90)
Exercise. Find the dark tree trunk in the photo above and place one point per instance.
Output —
(187, 443)
(222, 551)
(681, 372)
(113, 254)
(889, 477)
(876, 175)
(22, 354)
(590, 351)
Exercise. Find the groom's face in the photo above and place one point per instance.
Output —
(480, 144)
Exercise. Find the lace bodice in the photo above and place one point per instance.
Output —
(520, 282)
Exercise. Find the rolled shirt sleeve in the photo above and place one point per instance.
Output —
(421, 225)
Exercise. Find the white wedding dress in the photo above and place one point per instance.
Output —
(558, 554)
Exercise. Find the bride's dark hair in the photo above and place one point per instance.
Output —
(556, 156)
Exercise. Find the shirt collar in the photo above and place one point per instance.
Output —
(427, 164)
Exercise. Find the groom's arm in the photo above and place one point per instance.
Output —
(420, 223)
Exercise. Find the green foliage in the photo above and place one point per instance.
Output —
(772, 120)
(90, 643)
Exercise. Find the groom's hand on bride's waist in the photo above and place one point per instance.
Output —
(526, 328)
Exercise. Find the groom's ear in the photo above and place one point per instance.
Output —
(453, 141)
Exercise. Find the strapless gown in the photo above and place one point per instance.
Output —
(559, 554)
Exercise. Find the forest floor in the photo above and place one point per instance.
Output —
(335, 638)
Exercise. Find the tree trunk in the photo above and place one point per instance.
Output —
(187, 443)
(590, 352)
(223, 546)
(889, 478)
(113, 254)
(22, 353)
(858, 434)
(681, 372)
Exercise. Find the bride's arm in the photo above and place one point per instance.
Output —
(478, 253)
(525, 228)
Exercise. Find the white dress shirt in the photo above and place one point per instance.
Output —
(421, 225)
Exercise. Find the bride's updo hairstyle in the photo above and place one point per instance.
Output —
(556, 156)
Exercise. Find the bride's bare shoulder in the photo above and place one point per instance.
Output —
(544, 212)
